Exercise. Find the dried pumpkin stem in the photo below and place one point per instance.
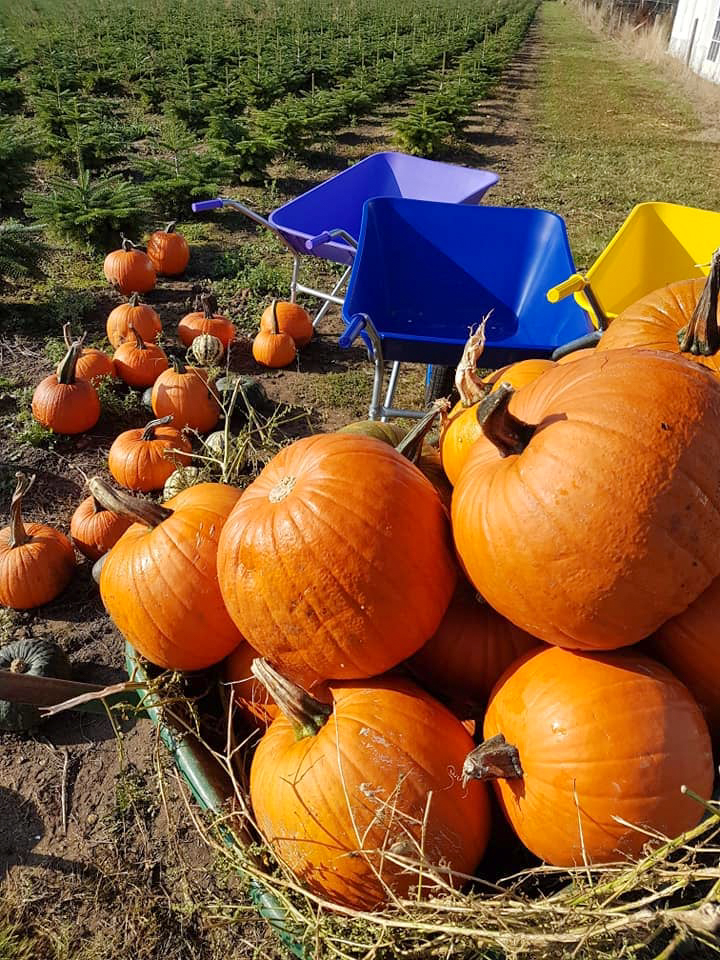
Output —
(18, 666)
(177, 365)
(495, 759)
(208, 304)
(141, 511)
(66, 367)
(149, 431)
(134, 299)
(18, 533)
(171, 226)
(467, 380)
(508, 433)
(306, 713)
(275, 327)
(411, 444)
(139, 342)
(701, 336)
(67, 336)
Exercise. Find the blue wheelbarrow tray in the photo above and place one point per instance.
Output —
(427, 273)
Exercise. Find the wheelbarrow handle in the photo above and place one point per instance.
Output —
(585, 342)
(207, 205)
(573, 284)
(352, 331)
(327, 235)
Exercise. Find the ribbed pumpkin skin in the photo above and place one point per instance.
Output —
(390, 744)
(248, 693)
(655, 321)
(94, 532)
(387, 432)
(160, 585)
(93, 364)
(139, 367)
(689, 645)
(462, 429)
(169, 252)
(129, 271)
(187, 398)
(142, 317)
(577, 355)
(606, 525)
(291, 319)
(66, 408)
(273, 349)
(471, 649)
(36, 572)
(141, 464)
(615, 730)
(337, 561)
(194, 324)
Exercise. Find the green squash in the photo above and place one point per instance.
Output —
(39, 658)
(387, 432)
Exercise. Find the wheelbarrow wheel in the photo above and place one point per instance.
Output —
(439, 382)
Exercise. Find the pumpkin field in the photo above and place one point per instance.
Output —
(278, 677)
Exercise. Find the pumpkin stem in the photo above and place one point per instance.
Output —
(97, 506)
(701, 335)
(509, 434)
(411, 444)
(177, 365)
(66, 367)
(117, 501)
(208, 302)
(171, 226)
(126, 244)
(149, 431)
(306, 713)
(495, 759)
(275, 327)
(134, 299)
(18, 666)
(467, 381)
(67, 336)
(139, 342)
(18, 533)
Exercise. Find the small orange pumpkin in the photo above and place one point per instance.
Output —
(248, 694)
(206, 320)
(129, 268)
(62, 402)
(95, 530)
(169, 251)
(288, 318)
(135, 314)
(140, 459)
(273, 348)
(92, 364)
(36, 560)
(185, 394)
(138, 363)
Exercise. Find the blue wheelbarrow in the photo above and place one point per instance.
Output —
(427, 273)
(325, 221)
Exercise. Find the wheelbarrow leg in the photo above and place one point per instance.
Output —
(294, 278)
(376, 408)
(391, 387)
(333, 293)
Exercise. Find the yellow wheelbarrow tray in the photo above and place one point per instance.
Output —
(659, 243)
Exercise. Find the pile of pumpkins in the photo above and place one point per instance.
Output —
(531, 607)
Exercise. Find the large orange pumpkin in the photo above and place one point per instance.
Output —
(184, 393)
(168, 250)
(288, 318)
(142, 458)
(207, 321)
(138, 363)
(95, 530)
(363, 799)
(469, 651)
(689, 644)
(133, 315)
(589, 512)
(679, 318)
(248, 694)
(129, 268)
(36, 560)
(159, 581)
(337, 561)
(576, 741)
(64, 403)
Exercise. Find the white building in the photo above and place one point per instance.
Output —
(695, 37)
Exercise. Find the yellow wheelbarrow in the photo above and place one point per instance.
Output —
(658, 244)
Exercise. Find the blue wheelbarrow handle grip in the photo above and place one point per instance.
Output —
(352, 331)
(313, 242)
(207, 205)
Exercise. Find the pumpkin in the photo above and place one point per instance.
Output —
(251, 394)
(92, 364)
(429, 464)
(168, 251)
(36, 658)
(273, 348)
(94, 530)
(688, 645)
(588, 513)
(358, 798)
(206, 321)
(129, 268)
(180, 480)
(518, 374)
(185, 394)
(64, 403)
(387, 432)
(207, 349)
(288, 318)
(36, 560)
(133, 315)
(577, 355)
(248, 694)
(159, 581)
(679, 318)
(577, 743)
(469, 651)
(141, 459)
(337, 561)
(138, 363)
